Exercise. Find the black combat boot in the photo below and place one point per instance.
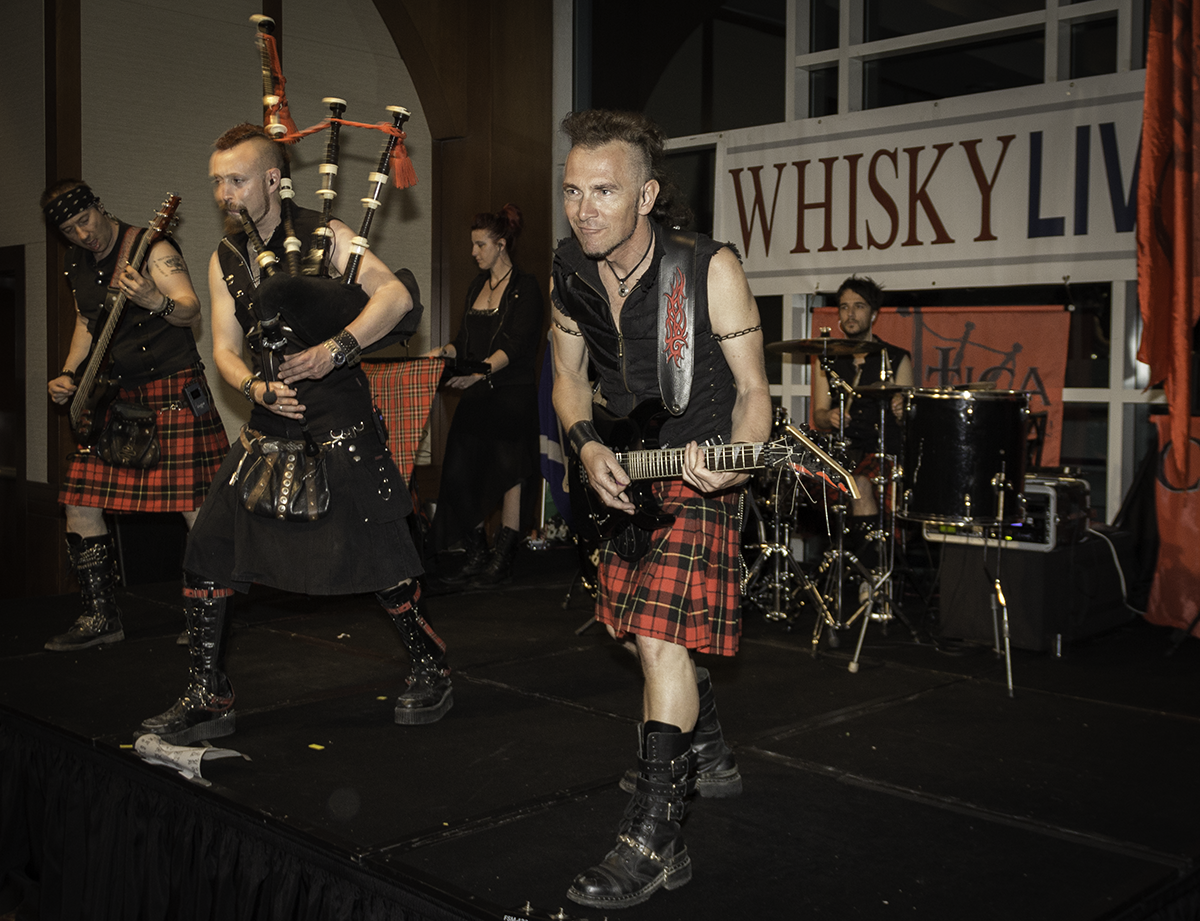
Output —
(650, 852)
(477, 558)
(94, 561)
(717, 774)
(205, 711)
(429, 694)
(499, 566)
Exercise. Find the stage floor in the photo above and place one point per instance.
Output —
(914, 788)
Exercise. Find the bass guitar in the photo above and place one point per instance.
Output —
(96, 388)
(634, 441)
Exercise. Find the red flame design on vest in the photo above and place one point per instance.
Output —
(676, 322)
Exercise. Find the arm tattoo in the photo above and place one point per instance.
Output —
(171, 265)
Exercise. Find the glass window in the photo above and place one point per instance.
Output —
(823, 92)
(770, 311)
(1094, 47)
(694, 172)
(706, 70)
(887, 18)
(823, 25)
(978, 67)
(1085, 450)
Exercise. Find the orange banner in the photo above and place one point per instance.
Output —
(1175, 593)
(1017, 348)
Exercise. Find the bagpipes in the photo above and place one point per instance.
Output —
(314, 305)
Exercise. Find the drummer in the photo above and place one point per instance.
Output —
(859, 300)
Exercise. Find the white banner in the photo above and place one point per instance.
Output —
(1015, 187)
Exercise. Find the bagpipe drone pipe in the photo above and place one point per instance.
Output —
(311, 303)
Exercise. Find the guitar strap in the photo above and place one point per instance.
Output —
(677, 320)
(128, 242)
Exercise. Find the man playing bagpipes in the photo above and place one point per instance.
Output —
(309, 498)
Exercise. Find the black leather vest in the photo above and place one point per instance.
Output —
(626, 359)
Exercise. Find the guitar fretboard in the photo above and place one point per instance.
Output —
(667, 463)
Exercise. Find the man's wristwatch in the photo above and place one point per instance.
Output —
(343, 349)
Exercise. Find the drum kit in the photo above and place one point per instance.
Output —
(962, 462)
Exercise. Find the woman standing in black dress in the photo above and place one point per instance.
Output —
(493, 442)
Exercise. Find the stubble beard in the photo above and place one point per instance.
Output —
(616, 246)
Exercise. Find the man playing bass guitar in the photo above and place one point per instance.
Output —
(682, 595)
(153, 355)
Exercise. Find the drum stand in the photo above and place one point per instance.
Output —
(837, 560)
(832, 568)
(999, 482)
(882, 587)
(775, 579)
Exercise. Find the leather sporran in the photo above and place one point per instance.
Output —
(278, 480)
(130, 438)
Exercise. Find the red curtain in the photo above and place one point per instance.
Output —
(1168, 286)
(1175, 592)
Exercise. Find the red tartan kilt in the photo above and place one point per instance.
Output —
(687, 588)
(192, 449)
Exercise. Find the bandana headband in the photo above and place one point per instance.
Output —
(70, 203)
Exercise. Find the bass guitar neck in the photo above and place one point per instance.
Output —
(95, 389)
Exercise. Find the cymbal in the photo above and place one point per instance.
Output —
(825, 346)
(882, 390)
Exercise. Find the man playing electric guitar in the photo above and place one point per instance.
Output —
(697, 342)
(154, 356)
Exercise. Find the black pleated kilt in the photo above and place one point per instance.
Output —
(363, 544)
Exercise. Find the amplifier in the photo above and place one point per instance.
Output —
(1056, 513)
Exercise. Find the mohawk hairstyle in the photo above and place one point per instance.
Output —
(596, 127)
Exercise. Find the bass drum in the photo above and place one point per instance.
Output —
(957, 445)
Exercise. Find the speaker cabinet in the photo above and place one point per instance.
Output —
(1053, 598)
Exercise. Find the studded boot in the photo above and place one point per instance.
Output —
(477, 558)
(429, 694)
(93, 560)
(650, 853)
(499, 566)
(205, 711)
(717, 774)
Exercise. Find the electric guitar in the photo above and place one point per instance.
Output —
(96, 388)
(634, 441)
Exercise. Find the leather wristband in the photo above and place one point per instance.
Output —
(344, 349)
(581, 433)
(248, 386)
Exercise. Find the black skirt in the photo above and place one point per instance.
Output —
(363, 544)
(492, 446)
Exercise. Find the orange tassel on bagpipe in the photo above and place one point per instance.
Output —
(316, 309)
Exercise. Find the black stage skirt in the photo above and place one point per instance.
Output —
(492, 446)
(363, 544)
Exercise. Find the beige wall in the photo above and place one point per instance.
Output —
(160, 80)
(23, 153)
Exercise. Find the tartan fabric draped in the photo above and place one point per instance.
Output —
(403, 389)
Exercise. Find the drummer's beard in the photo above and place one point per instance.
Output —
(864, 333)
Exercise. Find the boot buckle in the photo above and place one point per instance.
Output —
(639, 847)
